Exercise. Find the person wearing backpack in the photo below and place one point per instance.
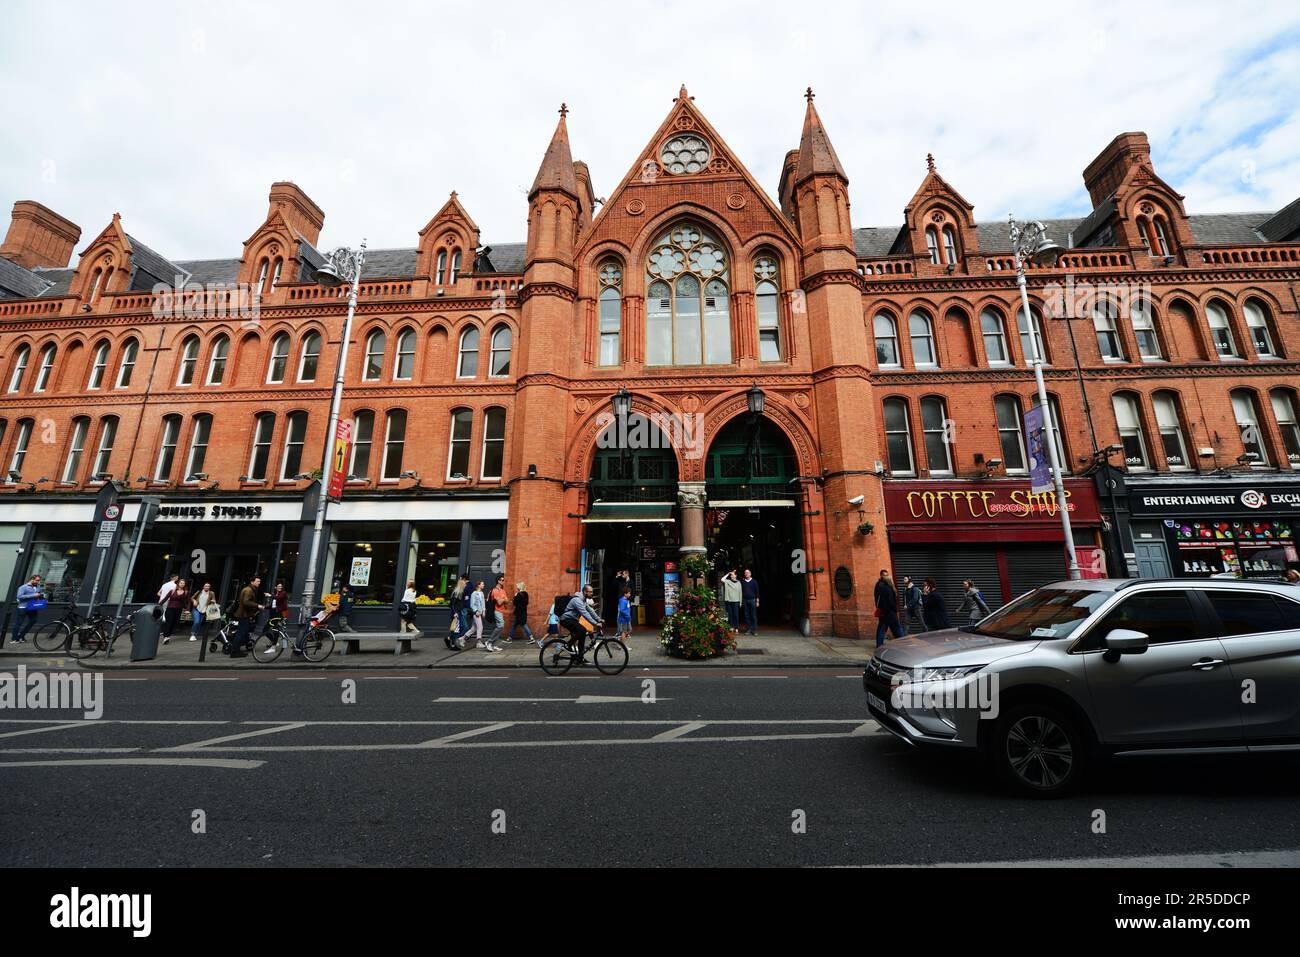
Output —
(973, 604)
(912, 605)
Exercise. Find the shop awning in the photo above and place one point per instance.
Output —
(753, 503)
(628, 512)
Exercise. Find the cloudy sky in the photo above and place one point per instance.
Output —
(181, 114)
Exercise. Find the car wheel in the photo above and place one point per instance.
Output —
(1039, 751)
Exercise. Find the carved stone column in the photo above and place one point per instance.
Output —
(691, 501)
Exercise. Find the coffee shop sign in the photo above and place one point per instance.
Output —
(983, 503)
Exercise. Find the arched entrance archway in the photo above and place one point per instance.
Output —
(753, 518)
(631, 524)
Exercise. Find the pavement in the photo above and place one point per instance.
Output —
(655, 767)
(786, 649)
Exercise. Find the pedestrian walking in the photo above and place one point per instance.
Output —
(973, 603)
(178, 599)
(625, 616)
(521, 615)
(936, 612)
(886, 608)
(911, 596)
(203, 608)
(552, 623)
(280, 601)
(731, 595)
(621, 582)
(457, 604)
(247, 608)
(167, 588)
(749, 601)
(345, 610)
(497, 602)
(31, 599)
(477, 608)
(406, 611)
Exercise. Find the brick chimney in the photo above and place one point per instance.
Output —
(298, 210)
(39, 237)
(1106, 172)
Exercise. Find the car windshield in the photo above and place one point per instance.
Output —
(1045, 613)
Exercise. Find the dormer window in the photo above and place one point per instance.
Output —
(950, 245)
(440, 275)
(455, 266)
(932, 243)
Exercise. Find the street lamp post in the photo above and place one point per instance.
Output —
(342, 265)
(1029, 241)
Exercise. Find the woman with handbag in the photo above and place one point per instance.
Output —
(406, 610)
(177, 601)
(203, 609)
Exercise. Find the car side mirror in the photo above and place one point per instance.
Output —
(1123, 641)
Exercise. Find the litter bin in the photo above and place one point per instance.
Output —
(148, 629)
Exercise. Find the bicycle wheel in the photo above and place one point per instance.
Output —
(556, 656)
(87, 640)
(268, 647)
(318, 644)
(53, 637)
(610, 656)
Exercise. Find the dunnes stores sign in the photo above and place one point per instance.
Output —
(218, 512)
(1230, 501)
(985, 501)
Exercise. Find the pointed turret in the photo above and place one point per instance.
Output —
(556, 172)
(816, 154)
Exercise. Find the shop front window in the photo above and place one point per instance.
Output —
(59, 555)
(365, 558)
(433, 560)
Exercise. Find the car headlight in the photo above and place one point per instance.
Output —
(949, 673)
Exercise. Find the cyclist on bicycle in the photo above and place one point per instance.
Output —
(577, 609)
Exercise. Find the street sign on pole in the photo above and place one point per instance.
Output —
(339, 458)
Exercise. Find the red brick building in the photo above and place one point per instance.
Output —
(891, 363)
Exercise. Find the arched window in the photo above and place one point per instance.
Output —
(766, 290)
(1108, 340)
(1011, 436)
(275, 273)
(171, 433)
(932, 244)
(126, 365)
(886, 333)
(1028, 342)
(263, 431)
(934, 424)
(279, 360)
(1058, 437)
(20, 368)
(440, 276)
(394, 444)
(21, 440)
(455, 266)
(46, 368)
(1284, 410)
(262, 271)
(104, 451)
(898, 438)
(1144, 330)
(500, 359)
(97, 366)
(995, 338)
(295, 437)
(467, 363)
(1221, 331)
(217, 361)
(76, 446)
(1169, 422)
(921, 331)
(494, 443)
(310, 357)
(202, 432)
(189, 360)
(1128, 419)
(363, 437)
(688, 318)
(1161, 236)
(376, 346)
(950, 245)
(95, 280)
(1246, 409)
(1259, 322)
(611, 313)
(404, 361)
(462, 425)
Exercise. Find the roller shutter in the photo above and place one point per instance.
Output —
(1029, 566)
(949, 565)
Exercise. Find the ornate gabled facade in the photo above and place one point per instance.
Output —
(810, 399)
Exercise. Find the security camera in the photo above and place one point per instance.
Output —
(857, 500)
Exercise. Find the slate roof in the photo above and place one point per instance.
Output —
(157, 268)
(1284, 225)
(19, 283)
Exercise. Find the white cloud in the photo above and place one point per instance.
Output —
(180, 115)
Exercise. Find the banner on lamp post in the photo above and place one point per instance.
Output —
(339, 458)
(1040, 459)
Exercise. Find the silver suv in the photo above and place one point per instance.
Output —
(1077, 670)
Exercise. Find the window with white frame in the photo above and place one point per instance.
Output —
(21, 441)
(310, 357)
(1284, 410)
(279, 361)
(1128, 419)
(502, 340)
(20, 368)
(1221, 331)
(494, 443)
(1108, 340)
(921, 331)
(995, 338)
(1246, 410)
(1169, 422)
(104, 452)
(1257, 321)
(46, 368)
(467, 361)
(217, 361)
(886, 333)
(934, 424)
(932, 244)
(1144, 331)
(394, 444)
(455, 266)
(263, 432)
(610, 276)
(767, 307)
(688, 312)
(189, 360)
(295, 437)
(950, 245)
(440, 276)
(76, 447)
(1028, 343)
(127, 363)
(898, 438)
(376, 347)
(462, 426)
(363, 437)
(404, 360)
(199, 437)
(171, 432)
(1011, 435)
(97, 366)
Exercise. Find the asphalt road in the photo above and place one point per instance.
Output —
(428, 768)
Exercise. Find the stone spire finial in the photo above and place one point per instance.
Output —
(929, 162)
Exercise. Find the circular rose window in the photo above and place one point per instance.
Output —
(685, 154)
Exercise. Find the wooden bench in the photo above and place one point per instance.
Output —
(352, 641)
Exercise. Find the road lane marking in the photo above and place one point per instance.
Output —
(322, 678)
(760, 677)
(390, 677)
(677, 732)
(472, 732)
(234, 764)
(196, 745)
(500, 700)
(214, 679)
(53, 727)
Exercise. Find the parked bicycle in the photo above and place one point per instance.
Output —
(54, 636)
(315, 644)
(559, 654)
(98, 633)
